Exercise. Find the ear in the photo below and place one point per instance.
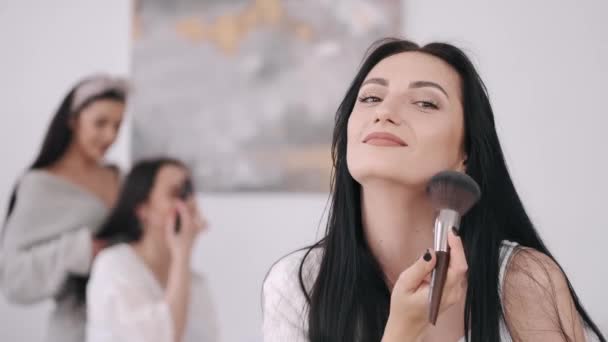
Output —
(72, 121)
(141, 212)
(462, 166)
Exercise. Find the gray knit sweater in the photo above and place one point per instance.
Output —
(46, 240)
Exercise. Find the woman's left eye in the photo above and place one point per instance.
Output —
(426, 105)
(101, 123)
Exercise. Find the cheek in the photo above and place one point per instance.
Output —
(439, 147)
(362, 160)
(87, 133)
(165, 207)
(356, 125)
(352, 132)
(161, 208)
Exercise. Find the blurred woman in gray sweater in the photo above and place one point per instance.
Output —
(47, 244)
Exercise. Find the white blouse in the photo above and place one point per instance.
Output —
(285, 309)
(126, 303)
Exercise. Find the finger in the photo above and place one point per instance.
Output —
(199, 220)
(170, 222)
(184, 214)
(203, 224)
(412, 277)
(191, 204)
(453, 293)
(458, 260)
(456, 280)
(428, 278)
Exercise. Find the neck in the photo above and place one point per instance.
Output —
(398, 225)
(156, 261)
(75, 160)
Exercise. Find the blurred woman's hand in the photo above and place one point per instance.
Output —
(181, 240)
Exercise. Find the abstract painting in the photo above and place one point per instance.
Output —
(245, 92)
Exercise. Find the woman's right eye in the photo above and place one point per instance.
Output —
(369, 99)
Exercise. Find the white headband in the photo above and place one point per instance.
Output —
(97, 85)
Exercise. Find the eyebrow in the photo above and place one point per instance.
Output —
(376, 80)
(413, 85)
(423, 84)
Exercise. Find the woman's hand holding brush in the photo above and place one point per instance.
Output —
(409, 310)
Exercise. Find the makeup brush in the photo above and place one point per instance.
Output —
(185, 191)
(452, 194)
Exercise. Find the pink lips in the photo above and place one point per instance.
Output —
(383, 139)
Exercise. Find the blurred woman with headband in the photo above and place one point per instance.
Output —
(47, 242)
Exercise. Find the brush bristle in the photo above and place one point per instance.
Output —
(453, 190)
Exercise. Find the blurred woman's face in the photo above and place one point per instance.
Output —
(160, 208)
(96, 127)
(407, 123)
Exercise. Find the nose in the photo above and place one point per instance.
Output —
(191, 203)
(109, 134)
(388, 111)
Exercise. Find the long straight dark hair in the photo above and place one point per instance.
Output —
(59, 134)
(349, 300)
(122, 224)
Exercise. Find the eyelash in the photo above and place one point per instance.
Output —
(421, 104)
(364, 99)
(426, 105)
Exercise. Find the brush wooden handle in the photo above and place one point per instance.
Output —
(437, 283)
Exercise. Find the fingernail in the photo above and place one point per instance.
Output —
(427, 256)
(455, 231)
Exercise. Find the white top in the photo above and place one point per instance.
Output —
(126, 303)
(285, 308)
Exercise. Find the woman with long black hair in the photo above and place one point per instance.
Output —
(410, 113)
(142, 287)
(47, 242)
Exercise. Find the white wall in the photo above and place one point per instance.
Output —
(248, 233)
(545, 64)
(544, 73)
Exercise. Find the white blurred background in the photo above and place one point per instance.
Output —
(545, 64)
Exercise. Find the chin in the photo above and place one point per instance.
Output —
(379, 172)
(392, 180)
(376, 174)
(96, 155)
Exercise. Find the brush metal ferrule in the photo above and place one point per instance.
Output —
(446, 219)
